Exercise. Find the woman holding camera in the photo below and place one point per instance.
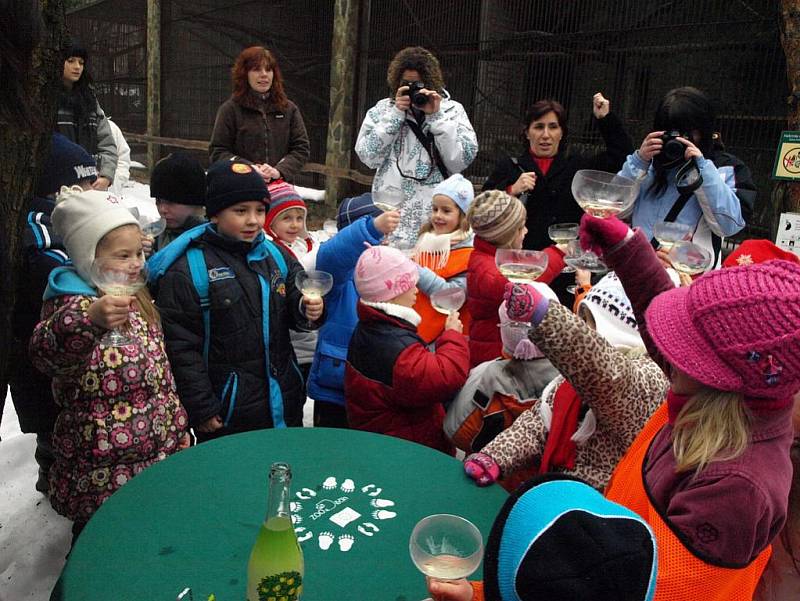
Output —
(258, 122)
(686, 177)
(415, 139)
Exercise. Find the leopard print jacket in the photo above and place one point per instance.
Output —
(622, 388)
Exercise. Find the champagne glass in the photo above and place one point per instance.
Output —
(690, 258)
(330, 228)
(603, 194)
(578, 258)
(447, 300)
(152, 229)
(118, 277)
(562, 234)
(314, 283)
(389, 198)
(446, 547)
(520, 266)
(668, 233)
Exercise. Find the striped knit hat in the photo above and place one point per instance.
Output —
(495, 215)
(282, 197)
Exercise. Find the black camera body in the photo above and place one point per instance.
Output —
(417, 98)
(673, 150)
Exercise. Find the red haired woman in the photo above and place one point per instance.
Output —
(258, 122)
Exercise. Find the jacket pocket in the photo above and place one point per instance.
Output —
(332, 359)
(228, 396)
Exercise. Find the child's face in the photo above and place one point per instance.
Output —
(73, 69)
(241, 221)
(517, 241)
(682, 383)
(174, 213)
(407, 299)
(122, 247)
(445, 215)
(289, 224)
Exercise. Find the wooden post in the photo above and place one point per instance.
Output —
(340, 116)
(153, 77)
(790, 38)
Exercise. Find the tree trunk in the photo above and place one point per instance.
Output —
(790, 38)
(24, 144)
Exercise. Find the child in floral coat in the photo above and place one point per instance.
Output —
(119, 412)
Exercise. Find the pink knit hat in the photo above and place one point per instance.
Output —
(734, 329)
(383, 273)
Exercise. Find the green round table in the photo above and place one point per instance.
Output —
(191, 520)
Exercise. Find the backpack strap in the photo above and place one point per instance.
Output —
(276, 255)
(199, 272)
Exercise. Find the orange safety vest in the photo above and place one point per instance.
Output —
(432, 324)
(682, 576)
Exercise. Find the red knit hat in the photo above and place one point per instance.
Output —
(282, 197)
(750, 252)
(735, 329)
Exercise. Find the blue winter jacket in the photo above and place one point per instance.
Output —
(338, 256)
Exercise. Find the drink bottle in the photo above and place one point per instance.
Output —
(275, 570)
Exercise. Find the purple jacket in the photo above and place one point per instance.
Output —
(728, 513)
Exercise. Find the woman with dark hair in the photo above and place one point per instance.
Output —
(81, 119)
(258, 122)
(415, 138)
(542, 175)
(686, 177)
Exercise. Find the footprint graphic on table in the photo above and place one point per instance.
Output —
(325, 540)
(296, 519)
(371, 490)
(305, 494)
(383, 514)
(345, 542)
(329, 483)
(379, 503)
(348, 485)
(368, 529)
(303, 534)
(294, 506)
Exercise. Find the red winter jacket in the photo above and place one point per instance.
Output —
(394, 385)
(485, 287)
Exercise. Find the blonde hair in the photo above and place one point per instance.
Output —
(713, 426)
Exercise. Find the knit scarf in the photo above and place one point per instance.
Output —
(433, 250)
(565, 433)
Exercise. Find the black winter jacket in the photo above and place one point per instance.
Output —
(43, 252)
(551, 200)
(235, 385)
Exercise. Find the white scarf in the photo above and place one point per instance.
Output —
(405, 313)
(433, 250)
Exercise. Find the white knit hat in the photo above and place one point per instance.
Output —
(612, 312)
(82, 218)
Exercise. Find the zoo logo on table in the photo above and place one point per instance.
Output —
(350, 515)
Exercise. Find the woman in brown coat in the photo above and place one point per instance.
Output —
(258, 122)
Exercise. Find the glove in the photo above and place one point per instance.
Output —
(598, 235)
(521, 301)
(482, 468)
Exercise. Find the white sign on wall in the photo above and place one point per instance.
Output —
(788, 237)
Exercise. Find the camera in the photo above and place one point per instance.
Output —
(673, 151)
(417, 98)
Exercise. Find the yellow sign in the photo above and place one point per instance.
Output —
(787, 160)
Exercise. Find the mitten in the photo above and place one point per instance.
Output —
(599, 235)
(482, 468)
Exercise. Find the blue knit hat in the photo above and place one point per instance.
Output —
(232, 181)
(66, 165)
(558, 539)
(458, 189)
(353, 209)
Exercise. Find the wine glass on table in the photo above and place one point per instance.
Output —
(118, 277)
(667, 233)
(603, 194)
(520, 266)
(562, 234)
(447, 300)
(690, 258)
(314, 283)
(446, 547)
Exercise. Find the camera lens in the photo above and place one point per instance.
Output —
(419, 99)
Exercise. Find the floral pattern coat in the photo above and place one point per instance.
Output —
(119, 412)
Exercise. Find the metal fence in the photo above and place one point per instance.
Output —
(498, 57)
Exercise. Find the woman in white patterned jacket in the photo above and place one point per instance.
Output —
(387, 140)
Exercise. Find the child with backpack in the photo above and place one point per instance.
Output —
(228, 298)
(119, 412)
